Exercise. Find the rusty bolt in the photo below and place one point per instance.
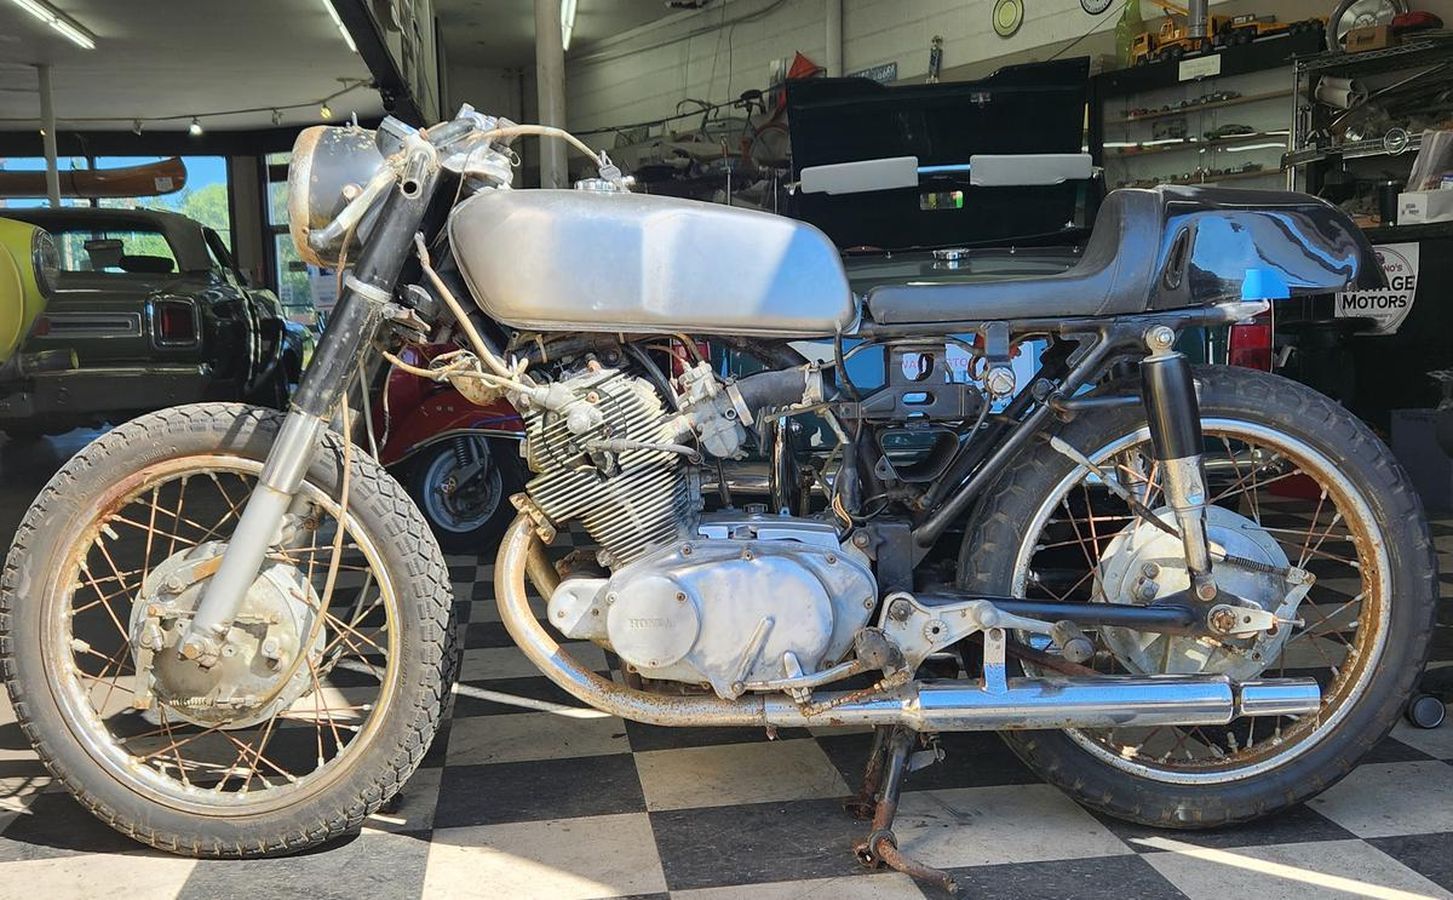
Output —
(1222, 620)
(680, 596)
(860, 540)
(685, 549)
(191, 650)
(1150, 570)
(832, 559)
(900, 610)
(592, 397)
(1206, 591)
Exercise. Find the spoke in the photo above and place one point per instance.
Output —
(111, 613)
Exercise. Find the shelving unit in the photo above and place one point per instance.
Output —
(1152, 124)
(1374, 146)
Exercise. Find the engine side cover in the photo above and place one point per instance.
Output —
(725, 612)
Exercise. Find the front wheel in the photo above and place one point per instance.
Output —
(330, 683)
(1294, 480)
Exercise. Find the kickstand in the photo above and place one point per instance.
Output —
(882, 782)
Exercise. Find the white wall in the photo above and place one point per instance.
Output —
(644, 73)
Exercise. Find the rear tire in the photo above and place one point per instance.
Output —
(368, 768)
(473, 517)
(999, 536)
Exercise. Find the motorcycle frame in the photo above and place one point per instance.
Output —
(368, 296)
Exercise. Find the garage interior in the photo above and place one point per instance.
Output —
(152, 141)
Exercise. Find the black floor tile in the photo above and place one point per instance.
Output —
(653, 737)
(756, 843)
(971, 759)
(486, 634)
(384, 866)
(1391, 750)
(1070, 879)
(532, 688)
(539, 789)
(55, 825)
(1430, 855)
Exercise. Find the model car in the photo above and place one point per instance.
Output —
(1229, 130)
(156, 313)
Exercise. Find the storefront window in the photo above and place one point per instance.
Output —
(302, 287)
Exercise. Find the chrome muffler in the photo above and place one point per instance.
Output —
(1026, 703)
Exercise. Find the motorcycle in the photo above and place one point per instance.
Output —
(460, 462)
(229, 631)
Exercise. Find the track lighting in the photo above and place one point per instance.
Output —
(195, 128)
(325, 112)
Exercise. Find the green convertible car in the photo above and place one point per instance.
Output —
(147, 310)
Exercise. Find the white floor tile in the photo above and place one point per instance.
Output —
(731, 774)
(96, 877)
(991, 825)
(563, 859)
(883, 886)
(535, 735)
(1387, 799)
(1288, 872)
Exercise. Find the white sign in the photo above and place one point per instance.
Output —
(1388, 307)
(1199, 67)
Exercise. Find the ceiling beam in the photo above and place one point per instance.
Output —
(158, 143)
(398, 97)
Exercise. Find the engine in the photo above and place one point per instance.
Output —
(735, 601)
(599, 451)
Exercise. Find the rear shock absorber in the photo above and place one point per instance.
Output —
(1174, 413)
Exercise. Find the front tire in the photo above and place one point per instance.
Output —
(379, 678)
(1007, 550)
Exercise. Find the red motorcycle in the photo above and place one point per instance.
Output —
(460, 462)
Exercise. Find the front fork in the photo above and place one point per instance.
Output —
(367, 291)
(1169, 394)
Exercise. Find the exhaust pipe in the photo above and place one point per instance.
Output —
(1027, 703)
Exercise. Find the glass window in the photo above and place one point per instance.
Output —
(116, 250)
(303, 288)
(202, 197)
(30, 164)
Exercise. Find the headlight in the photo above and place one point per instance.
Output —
(330, 165)
(47, 261)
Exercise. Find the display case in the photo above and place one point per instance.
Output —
(1221, 117)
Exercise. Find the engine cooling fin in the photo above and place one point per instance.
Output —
(644, 502)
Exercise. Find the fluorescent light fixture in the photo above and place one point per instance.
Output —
(567, 22)
(333, 14)
(60, 22)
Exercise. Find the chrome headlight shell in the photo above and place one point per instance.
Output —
(46, 260)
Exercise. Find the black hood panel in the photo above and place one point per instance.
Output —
(1032, 108)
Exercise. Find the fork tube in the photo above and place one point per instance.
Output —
(350, 330)
(1174, 415)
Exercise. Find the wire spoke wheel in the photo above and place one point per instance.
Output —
(1271, 493)
(320, 699)
(195, 735)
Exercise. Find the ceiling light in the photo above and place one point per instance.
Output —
(66, 26)
(325, 111)
(567, 22)
(333, 14)
(277, 117)
(136, 126)
(195, 128)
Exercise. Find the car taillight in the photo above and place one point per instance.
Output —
(175, 323)
(1249, 344)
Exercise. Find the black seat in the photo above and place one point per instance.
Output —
(1114, 275)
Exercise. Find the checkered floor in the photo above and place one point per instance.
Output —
(525, 795)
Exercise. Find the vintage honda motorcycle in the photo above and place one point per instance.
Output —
(1186, 596)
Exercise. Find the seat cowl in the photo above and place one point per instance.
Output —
(1169, 247)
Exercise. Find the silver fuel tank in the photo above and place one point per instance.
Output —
(556, 260)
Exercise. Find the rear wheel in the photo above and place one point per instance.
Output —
(463, 485)
(325, 697)
(1294, 480)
